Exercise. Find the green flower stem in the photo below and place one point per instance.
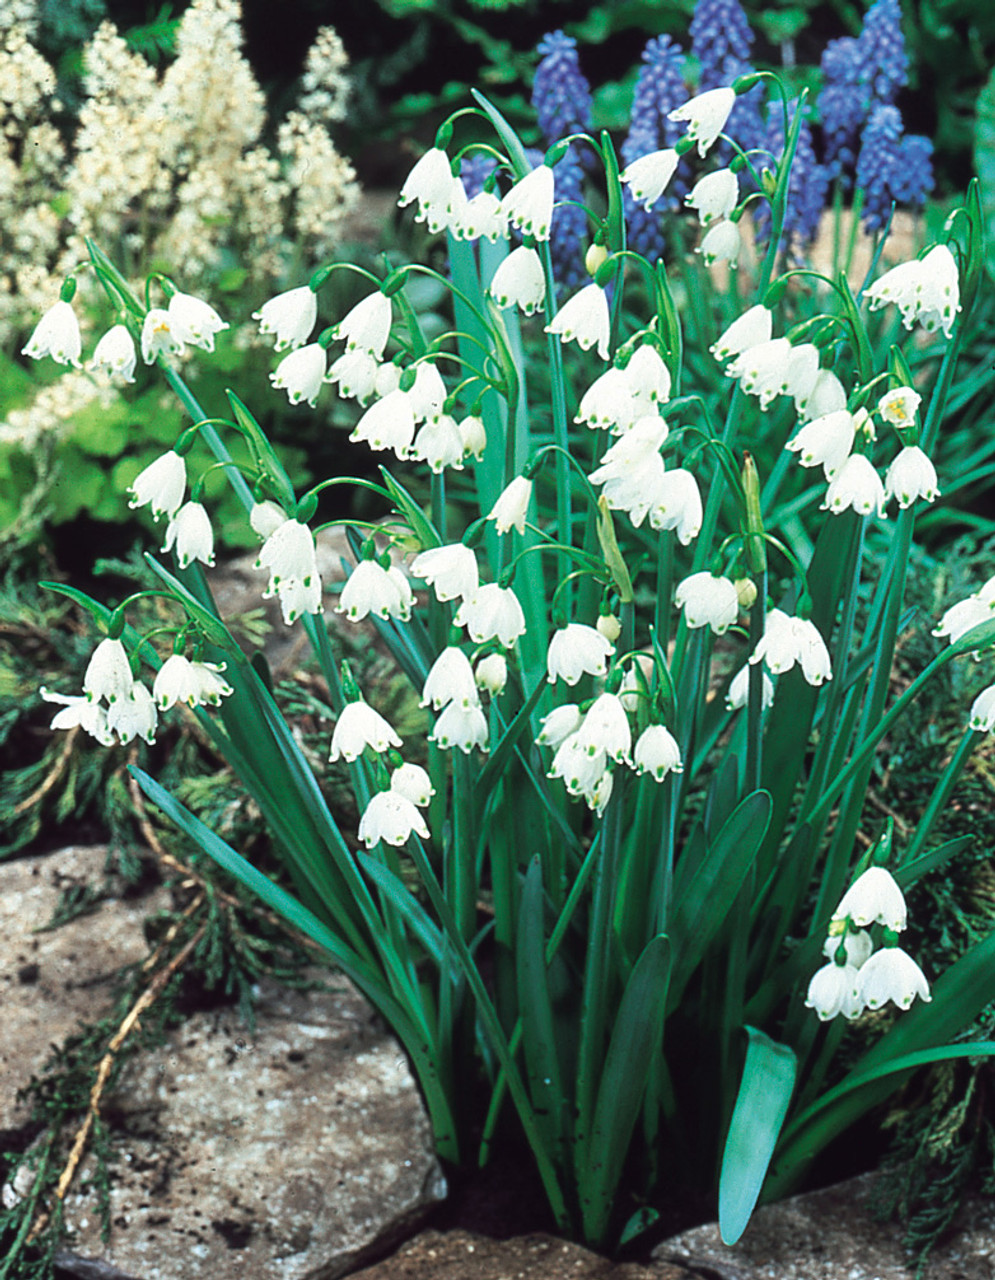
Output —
(495, 1034)
(941, 794)
(863, 754)
(558, 398)
(754, 710)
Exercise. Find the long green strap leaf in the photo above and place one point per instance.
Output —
(635, 1042)
(536, 1010)
(705, 892)
(761, 1105)
(296, 914)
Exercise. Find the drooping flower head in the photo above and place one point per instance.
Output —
(721, 40)
(660, 88)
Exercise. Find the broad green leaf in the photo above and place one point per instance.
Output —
(635, 1042)
(264, 452)
(411, 511)
(705, 892)
(761, 1105)
(536, 1011)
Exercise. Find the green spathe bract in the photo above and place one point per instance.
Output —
(636, 942)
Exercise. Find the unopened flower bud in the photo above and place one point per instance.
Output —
(746, 591)
(595, 257)
(609, 626)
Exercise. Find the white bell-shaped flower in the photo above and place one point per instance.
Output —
(288, 553)
(160, 485)
(366, 327)
(899, 406)
(134, 716)
(162, 334)
(57, 335)
(450, 679)
(197, 317)
(608, 402)
(388, 424)
(428, 391)
(856, 943)
(473, 436)
(834, 990)
(438, 442)
(492, 612)
(108, 673)
(430, 182)
(355, 374)
(195, 683)
(559, 724)
(648, 378)
(266, 517)
(576, 650)
(297, 596)
(738, 693)
(290, 317)
(451, 570)
(371, 589)
(891, 974)
(357, 728)
(708, 600)
(657, 752)
(648, 176)
(714, 196)
(910, 476)
(189, 530)
(874, 898)
(584, 319)
(825, 442)
(579, 767)
(391, 817)
(787, 640)
(706, 116)
(855, 485)
(301, 373)
(597, 796)
(115, 354)
(491, 674)
(632, 470)
(926, 290)
(762, 369)
(519, 281)
(828, 395)
(461, 725)
(721, 243)
(802, 372)
(481, 218)
(512, 505)
(967, 614)
(752, 329)
(412, 782)
(982, 719)
(529, 204)
(79, 711)
(677, 505)
(606, 728)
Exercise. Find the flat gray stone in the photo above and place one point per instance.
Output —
(52, 982)
(833, 1235)
(284, 1154)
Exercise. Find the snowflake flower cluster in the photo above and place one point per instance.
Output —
(858, 977)
(114, 702)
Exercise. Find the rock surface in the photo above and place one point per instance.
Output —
(833, 1235)
(51, 982)
(286, 1153)
(461, 1255)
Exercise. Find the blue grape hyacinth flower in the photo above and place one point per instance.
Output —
(660, 89)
